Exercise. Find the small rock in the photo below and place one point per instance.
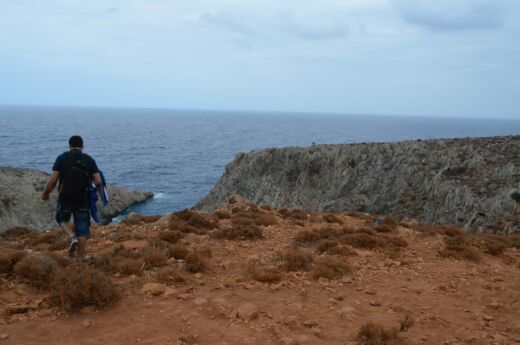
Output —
(309, 324)
(375, 303)
(154, 289)
(303, 340)
(199, 301)
(487, 317)
(346, 312)
(3, 312)
(198, 275)
(288, 341)
(185, 296)
(44, 312)
(220, 305)
(291, 322)
(247, 311)
(169, 292)
(4, 336)
(294, 309)
(17, 308)
(87, 323)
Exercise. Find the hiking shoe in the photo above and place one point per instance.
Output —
(72, 245)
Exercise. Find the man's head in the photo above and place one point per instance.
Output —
(76, 142)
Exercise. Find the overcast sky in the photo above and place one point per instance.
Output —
(410, 57)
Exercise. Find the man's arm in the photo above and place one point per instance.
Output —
(51, 184)
(97, 180)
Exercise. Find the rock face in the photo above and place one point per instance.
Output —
(21, 204)
(471, 182)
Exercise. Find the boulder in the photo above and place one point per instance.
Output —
(21, 204)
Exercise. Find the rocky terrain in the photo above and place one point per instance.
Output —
(248, 274)
(473, 183)
(21, 204)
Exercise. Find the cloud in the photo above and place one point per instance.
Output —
(312, 27)
(453, 15)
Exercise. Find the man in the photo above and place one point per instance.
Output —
(73, 170)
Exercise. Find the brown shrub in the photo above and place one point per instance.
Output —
(294, 214)
(406, 323)
(266, 207)
(154, 257)
(126, 265)
(365, 241)
(332, 218)
(36, 270)
(172, 236)
(458, 248)
(171, 275)
(330, 267)
(195, 219)
(373, 334)
(490, 244)
(388, 224)
(325, 245)
(307, 237)
(222, 214)
(178, 251)
(452, 231)
(17, 232)
(47, 238)
(332, 247)
(9, 258)
(195, 261)
(296, 259)
(393, 241)
(262, 273)
(60, 245)
(265, 220)
(78, 286)
(298, 223)
(243, 229)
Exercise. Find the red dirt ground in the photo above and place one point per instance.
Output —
(451, 301)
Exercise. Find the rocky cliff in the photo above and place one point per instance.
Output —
(21, 204)
(472, 182)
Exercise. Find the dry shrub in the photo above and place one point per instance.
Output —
(47, 238)
(330, 267)
(307, 237)
(365, 241)
(9, 258)
(171, 275)
(242, 229)
(393, 241)
(36, 270)
(332, 247)
(60, 245)
(332, 218)
(17, 232)
(172, 236)
(126, 265)
(388, 224)
(262, 274)
(195, 219)
(222, 214)
(178, 251)
(195, 261)
(296, 213)
(78, 286)
(296, 259)
(493, 245)
(452, 231)
(459, 249)
(374, 334)
(406, 323)
(266, 207)
(154, 257)
(265, 220)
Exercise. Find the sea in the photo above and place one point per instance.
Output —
(180, 154)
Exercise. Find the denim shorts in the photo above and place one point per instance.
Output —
(81, 216)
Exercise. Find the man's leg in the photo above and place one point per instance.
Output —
(63, 215)
(82, 230)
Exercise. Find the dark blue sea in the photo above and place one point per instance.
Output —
(180, 154)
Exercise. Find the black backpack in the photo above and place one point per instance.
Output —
(75, 183)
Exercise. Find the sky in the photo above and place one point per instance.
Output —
(400, 57)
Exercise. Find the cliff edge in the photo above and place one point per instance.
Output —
(471, 182)
(21, 204)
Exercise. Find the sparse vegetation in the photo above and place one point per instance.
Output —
(172, 236)
(262, 274)
(458, 248)
(330, 267)
(296, 259)
(178, 251)
(195, 262)
(9, 258)
(78, 286)
(171, 275)
(332, 218)
(374, 334)
(222, 214)
(36, 270)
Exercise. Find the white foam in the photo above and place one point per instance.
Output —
(160, 195)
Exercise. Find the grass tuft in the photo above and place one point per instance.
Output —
(330, 267)
(296, 259)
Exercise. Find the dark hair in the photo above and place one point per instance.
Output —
(76, 141)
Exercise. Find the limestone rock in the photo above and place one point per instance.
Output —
(21, 204)
(247, 311)
(471, 182)
(154, 289)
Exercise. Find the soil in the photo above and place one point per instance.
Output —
(451, 301)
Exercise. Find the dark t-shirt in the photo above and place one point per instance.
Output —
(61, 166)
